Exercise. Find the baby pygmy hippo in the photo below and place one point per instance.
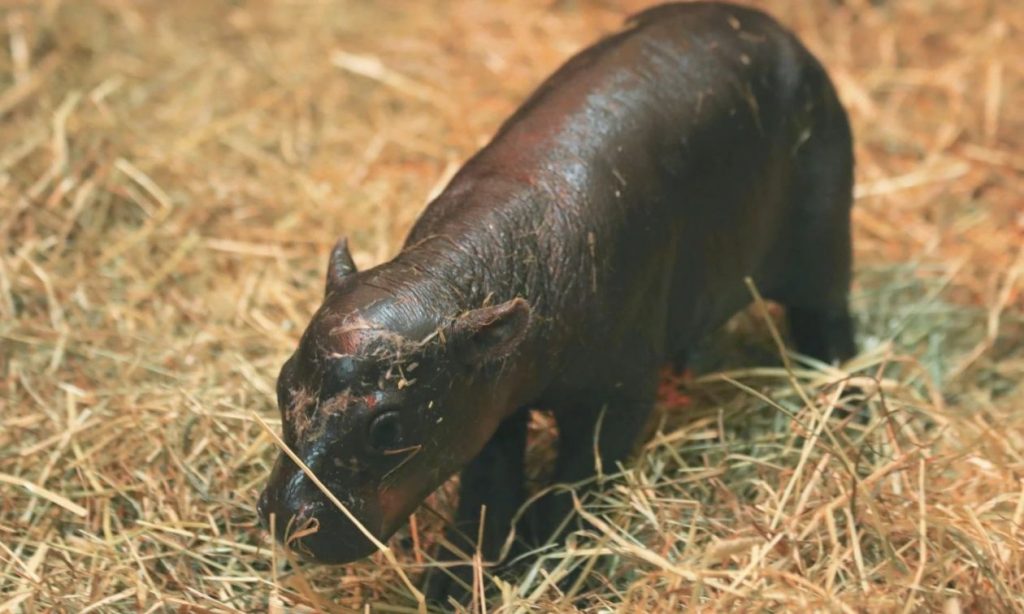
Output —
(607, 226)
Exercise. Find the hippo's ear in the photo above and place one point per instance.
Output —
(340, 265)
(491, 333)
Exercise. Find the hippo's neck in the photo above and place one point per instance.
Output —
(482, 240)
(466, 252)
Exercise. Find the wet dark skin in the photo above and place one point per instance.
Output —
(607, 227)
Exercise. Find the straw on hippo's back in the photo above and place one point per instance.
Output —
(609, 224)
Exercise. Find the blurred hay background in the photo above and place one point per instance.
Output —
(172, 175)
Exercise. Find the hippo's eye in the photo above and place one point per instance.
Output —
(386, 432)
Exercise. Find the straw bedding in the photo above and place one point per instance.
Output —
(172, 175)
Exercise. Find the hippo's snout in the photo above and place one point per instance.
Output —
(308, 523)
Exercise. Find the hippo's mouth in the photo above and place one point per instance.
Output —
(318, 531)
(306, 521)
(325, 535)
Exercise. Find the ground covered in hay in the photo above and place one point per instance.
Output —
(172, 175)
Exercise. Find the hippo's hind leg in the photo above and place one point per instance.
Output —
(824, 334)
(816, 279)
(817, 298)
(493, 481)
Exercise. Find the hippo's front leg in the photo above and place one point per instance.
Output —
(608, 424)
(491, 486)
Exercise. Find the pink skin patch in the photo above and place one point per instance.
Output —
(668, 389)
(391, 501)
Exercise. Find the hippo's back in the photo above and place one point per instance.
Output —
(641, 182)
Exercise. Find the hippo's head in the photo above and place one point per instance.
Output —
(386, 397)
